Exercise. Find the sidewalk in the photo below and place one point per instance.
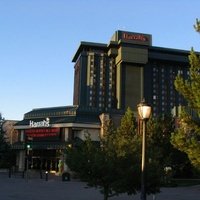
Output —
(16, 188)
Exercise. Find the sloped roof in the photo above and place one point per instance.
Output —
(51, 112)
(59, 115)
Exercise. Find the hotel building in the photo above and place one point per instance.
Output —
(124, 71)
(108, 78)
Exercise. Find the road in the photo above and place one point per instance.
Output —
(17, 188)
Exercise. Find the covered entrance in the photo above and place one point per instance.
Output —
(47, 160)
(44, 148)
(44, 134)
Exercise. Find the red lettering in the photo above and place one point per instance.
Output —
(42, 132)
(38, 135)
(138, 37)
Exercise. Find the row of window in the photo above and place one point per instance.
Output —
(163, 91)
(102, 75)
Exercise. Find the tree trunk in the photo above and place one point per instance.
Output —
(105, 193)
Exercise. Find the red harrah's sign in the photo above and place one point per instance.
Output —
(42, 132)
(130, 36)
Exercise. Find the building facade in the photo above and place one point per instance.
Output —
(121, 73)
(45, 133)
(108, 78)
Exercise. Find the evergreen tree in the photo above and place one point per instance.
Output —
(189, 88)
(115, 164)
(128, 149)
(95, 162)
(187, 137)
(160, 147)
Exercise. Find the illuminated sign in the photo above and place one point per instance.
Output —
(42, 132)
(131, 36)
(43, 123)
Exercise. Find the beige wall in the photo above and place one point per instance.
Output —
(94, 134)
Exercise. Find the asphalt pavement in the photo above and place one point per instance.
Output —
(53, 188)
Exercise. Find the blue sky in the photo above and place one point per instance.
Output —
(38, 39)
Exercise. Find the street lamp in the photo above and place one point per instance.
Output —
(144, 111)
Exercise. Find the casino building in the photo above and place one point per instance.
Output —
(44, 134)
(107, 79)
(119, 74)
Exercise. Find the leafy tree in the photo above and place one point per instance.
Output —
(187, 137)
(5, 149)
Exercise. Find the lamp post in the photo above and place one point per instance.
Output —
(144, 111)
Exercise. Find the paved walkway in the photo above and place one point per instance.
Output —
(16, 188)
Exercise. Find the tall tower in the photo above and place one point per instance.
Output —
(94, 78)
(117, 75)
(131, 57)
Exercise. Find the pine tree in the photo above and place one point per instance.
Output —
(189, 88)
(115, 164)
(187, 137)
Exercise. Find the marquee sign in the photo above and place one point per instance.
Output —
(42, 132)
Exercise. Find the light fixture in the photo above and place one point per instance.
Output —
(144, 111)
